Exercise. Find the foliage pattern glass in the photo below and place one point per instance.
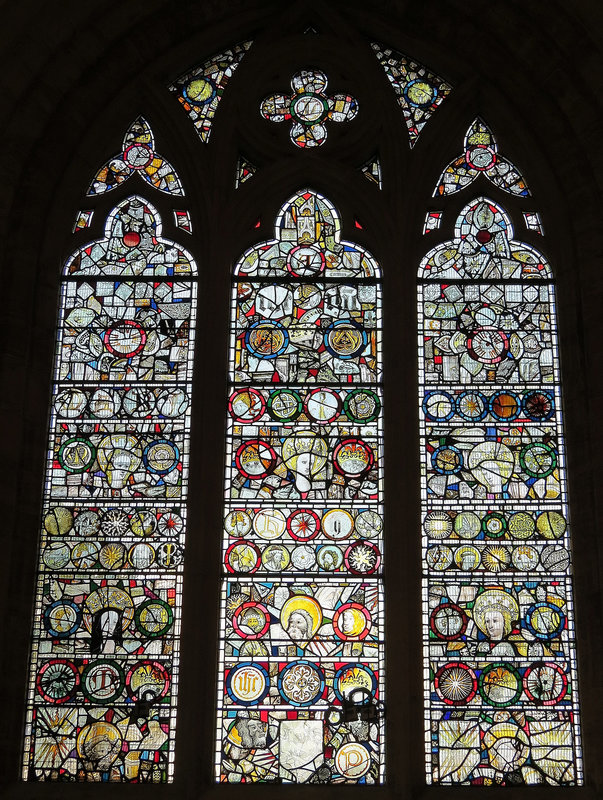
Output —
(501, 696)
(301, 631)
(104, 671)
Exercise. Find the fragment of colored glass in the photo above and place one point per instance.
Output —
(481, 157)
(433, 220)
(533, 222)
(418, 91)
(182, 220)
(309, 108)
(105, 654)
(200, 89)
(301, 627)
(372, 171)
(83, 220)
(500, 686)
(138, 155)
(245, 171)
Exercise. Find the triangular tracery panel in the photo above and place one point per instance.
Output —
(200, 90)
(419, 92)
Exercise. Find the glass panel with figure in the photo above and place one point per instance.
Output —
(501, 700)
(301, 636)
(104, 671)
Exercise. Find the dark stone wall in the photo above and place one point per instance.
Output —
(73, 77)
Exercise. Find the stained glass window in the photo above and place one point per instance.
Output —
(418, 91)
(301, 639)
(498, 621)
(105, 655)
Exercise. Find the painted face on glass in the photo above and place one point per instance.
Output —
(495, 624)
(347, 621)
(298, 626)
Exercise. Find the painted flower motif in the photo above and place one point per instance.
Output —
(481, 157)
(309, 108)
(138, 155)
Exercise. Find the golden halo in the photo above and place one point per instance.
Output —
(105, 598)
(498, 600)
(97, 732)
(302, 602)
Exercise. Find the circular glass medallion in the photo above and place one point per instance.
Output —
(141, 556)
(500, 685)
(467, 557)
(545, 683)
(467, 525)
(138, 156)
(70, 403)
(507, 746)
(353, 457)
(62, 618)
(472, 406)
(448, 621)
(237, 523)
(420, 94)
(138, 402)
(351, 677)
(447, 460)
(496, 558)
(303, 557)
(351, 622)
(284, 405)
(337, 524)
(301, 683)
(345, 339)
(303, 524)
(525, 558)
(87, 523)
(199, 91)
(275, 558)
(329, 557)
(551, 524)
(322, 405)
(169, 555)
(255, 459)
(58, 521)
(555, 558)
(112, 555)
(538, 459)
(538, 405)
(242, 557)
(545, 620)
(57, 680)
(438, 406)
(115, 523)
(505, 406)
(305, 261)
(104, 403)
(56, 555)
(170, 524)
(125, 339)
(362, 406)
(494, 525)
(521, 525)
(455, 683)
(143, 524)
(269, 524)
(247, 684)
(251, 620)
(76, 455)
(369, 524)
(172, 403)
(103, 681)
(161, 456)
(487, 345)
(362, 557)
(266, 339)
(480, 157)
(84, 555)
(147, 680)
(246, 405)
(153, 618)
(438, 525)
(352, 760)
(308, 108)
(439, 557)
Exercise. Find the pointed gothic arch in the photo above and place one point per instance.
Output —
(574, 277)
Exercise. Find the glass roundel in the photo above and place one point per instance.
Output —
(501, 698)
(302, 599)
